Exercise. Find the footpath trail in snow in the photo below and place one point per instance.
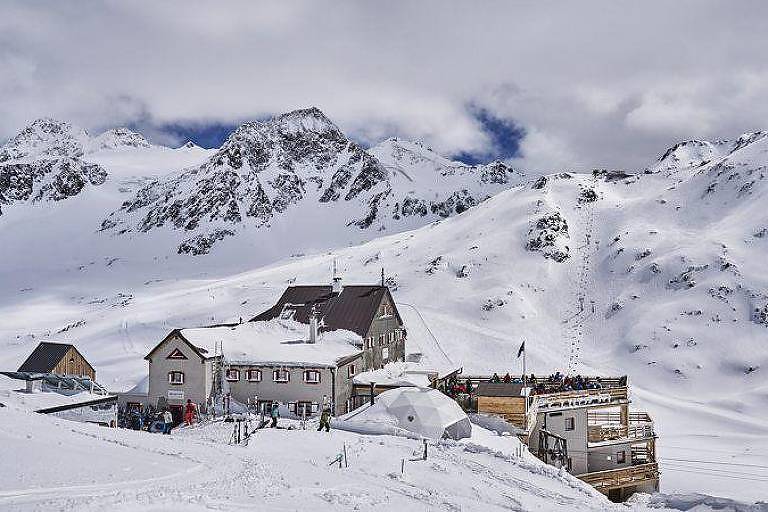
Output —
(71, 466)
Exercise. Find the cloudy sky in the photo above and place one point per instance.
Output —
(547, 85)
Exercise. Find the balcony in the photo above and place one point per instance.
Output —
(607, 426)
(581, 398)
(605, 481)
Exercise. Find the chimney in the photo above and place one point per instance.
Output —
(312, 326)
(336, 281)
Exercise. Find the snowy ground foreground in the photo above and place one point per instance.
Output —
(195, 469)
(674, 266)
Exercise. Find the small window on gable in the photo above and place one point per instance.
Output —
(570, 423)
(385, 310)
(176, 378)
(176, 354)
(621, 457)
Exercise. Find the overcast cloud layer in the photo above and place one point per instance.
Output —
(593, 84)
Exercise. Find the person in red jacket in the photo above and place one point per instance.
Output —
(189, 412)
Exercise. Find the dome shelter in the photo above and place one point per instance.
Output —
(425, 412)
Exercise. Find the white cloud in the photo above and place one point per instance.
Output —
(596, 84)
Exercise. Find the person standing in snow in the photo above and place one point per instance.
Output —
(167, 422)
(274, 413)
(189, 412)
(325, 420)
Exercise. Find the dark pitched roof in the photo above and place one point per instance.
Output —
(510, 389)
(177, 333)
(45, 357)
(353, 309)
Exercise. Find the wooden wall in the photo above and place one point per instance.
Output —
(79, 367)
(510, 408)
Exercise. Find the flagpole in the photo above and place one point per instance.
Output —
(525, 378)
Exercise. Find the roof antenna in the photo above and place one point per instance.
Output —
(336, 280)
(382, 277)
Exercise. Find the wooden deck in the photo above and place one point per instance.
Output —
(604, 481)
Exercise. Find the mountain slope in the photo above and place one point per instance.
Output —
(657, 274)
(274, 171)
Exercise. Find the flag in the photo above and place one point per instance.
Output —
(521, 350)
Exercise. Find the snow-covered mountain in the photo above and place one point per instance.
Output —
(277, 170)
(656, 273)
(48, 161)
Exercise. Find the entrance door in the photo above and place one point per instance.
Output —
(178, 414)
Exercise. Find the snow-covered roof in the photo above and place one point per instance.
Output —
(275, 342)
(13, 394)
(396, 374)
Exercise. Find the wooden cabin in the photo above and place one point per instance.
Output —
(60, 359)
(503, 399)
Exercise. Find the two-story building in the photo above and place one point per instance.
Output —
(306, 348)
(368, 311)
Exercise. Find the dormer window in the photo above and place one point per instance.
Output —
(176, 354)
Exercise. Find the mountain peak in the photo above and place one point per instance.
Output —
(119, 137)
(45, 137)
(304, 120)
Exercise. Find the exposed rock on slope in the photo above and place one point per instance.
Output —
(267, 170)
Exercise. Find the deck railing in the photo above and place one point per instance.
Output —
(599, 433)
(582, 397)
(615, 478)
(606, 417)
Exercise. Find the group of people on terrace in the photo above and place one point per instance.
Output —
(557, 382)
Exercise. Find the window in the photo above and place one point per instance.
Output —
(621, 457)
(176, 354)
(176, 378)
(351, 371)
(382, 341)
(368, 342)
(254, 375)
(233, 375)
(312, 376)
(570, 423)
(281, 375)
(385, 353)
(305, 408)
(385, 310)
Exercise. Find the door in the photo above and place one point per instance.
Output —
(178, 414)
